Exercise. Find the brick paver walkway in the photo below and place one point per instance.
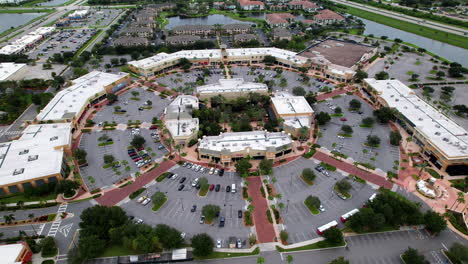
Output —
(114, 196)
(265, 231)
(351, 169)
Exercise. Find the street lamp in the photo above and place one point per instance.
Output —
(287, 206)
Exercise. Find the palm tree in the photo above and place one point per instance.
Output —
(31, 217)
(422, 166)
(178, 147)
(9, 218)
(260, 260)
(408, 140)
(20, 204)
(303, 134)
(290, 259)
(460, 199)
(22, 233)
(168, 141)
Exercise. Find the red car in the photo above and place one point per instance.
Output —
(343, 119)
(153, 127)
(212, 187)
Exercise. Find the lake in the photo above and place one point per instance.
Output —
(52, 3)
(15, 20)
(207, 20)
(444, 50)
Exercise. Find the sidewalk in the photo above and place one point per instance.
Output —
(265, 231)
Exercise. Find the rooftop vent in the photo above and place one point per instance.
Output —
(24, 152)
(53, 138)
(33, 157)
(18, 171)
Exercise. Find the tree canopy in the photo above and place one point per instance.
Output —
(202, 245)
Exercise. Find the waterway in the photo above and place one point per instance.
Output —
(52, 3)
(14, 20)
(444, 50)
(207, 20)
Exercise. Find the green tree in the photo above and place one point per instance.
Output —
(203, 181)
(343, 185)
(111, 97)
(308, 174)
(347, 129)
(395, 138)
(108, 159)
(338, 110)
(303, 134)
(322, 118)
(9, 218)
(360, 75)
(168, 236)
(333, 235)
(284, 235)
(368, 122)
(299, 91)
(382, 75)
(158, 198)
(202, 245)
(373, 141)
(434, 222)
(210, 211)
(138, 141)
(269, 60)
(412, 256)
(49, 246)
(243, 166)
(385, 114)
(185, 64)
(260, 260)
(440, 75)
(114, 61)
(80, 155)
(313, 201)
(67, 187)
(266, 166)
(340, 260)
(355, 104)
(290, 259)
(459, 252)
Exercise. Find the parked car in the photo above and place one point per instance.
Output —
(146, 201)
(321, 208)
(211, 170)
(221, 172)
(182, 180)
(194, 182)
(228, 188)
(212, 187)
(239, 214)
(202, 219)
(343, 119)
(153, 127)
(181, 187)
(217, 187)
(218, 243)
(194, 208)
(239, 243)
(138, 221)
(221, 221)
(141, 199)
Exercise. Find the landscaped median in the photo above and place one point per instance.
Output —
(221, 255)
(159, 199)
(317, 245)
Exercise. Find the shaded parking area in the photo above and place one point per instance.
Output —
(94, 175)
(382, 157)
(177, 210)
(298, 221)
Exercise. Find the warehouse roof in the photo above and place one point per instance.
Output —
(286, 103)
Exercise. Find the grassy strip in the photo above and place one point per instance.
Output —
(202, 192)
(163, 176)
(157, 206)
(105, 143)
(15, 198)
(135, 194)
(117, 250)
(218, 255)
(312, 209)
(51, 217)
(89, 42)
(307, 181)
(318, 245)
(431, 33)
(328, 166)
(346, 194)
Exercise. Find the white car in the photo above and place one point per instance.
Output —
(211, 170)
(141, 199)
(194, 182)
(183, 235)
(219, 243)
(146, 201)
(321, 208)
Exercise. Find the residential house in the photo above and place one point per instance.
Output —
(279, 19)
(248, 5)
(326, 17)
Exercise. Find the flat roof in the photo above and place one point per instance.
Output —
(35, 153)
(445, 134)
(178, 116)
(10, 252)
(342, 53)
(286, 103)
(182, 127)
(9, 68)
(186, 100)
(238, 141)
(232, 85)
(69, 101)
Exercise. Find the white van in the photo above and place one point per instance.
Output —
(233, 188)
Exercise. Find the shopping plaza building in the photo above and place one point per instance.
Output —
(294, 111)
(179, 121)
(442, 141)
(227, 148)
(71, 103)
(36, 158)
(231, 88)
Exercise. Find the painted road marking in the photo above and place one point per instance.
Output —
(65, 230)
(54, 228)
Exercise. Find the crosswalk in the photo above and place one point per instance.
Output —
(54, 228)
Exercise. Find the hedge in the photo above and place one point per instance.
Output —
(268, 213)
(136, 193)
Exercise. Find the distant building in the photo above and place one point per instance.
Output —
(227, 148)
(218, 5)
(12, 71)
(237, 28)
(27, 42)
(231, 88)
(244, 37)
(279, 19)
(200, 30)
(278, 7)
(443, 142)
(161, 7)
(281, 33)
(303, 5)
(78, 14)
(182, 39)
(145, 21)
(131, 41)
(295, 112)
(142, 32)
(248, 5)
(326, 17)
(179, 121)
(18, 253)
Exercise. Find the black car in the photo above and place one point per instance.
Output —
(228, 188)
(182, 180)
(217, 214)
(319, 168)
(221, 172)
(198, 186)
(194, 208)
(181, 187)
(239, 213)
(221, 221)
(217, 187)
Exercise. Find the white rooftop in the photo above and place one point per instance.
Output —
(11, 49)
(182, 127)
(444, 134)
(10, 253)
(238, 141)
(186, 100)
(68, 102)
(33, 155)
(9, 68)
(79, 13)
(232, 85)
(20, 44)
(286, 103)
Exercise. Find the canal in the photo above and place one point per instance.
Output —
(15, 19)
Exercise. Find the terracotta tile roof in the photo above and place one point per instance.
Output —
(277, 18)
(327, 14)
(308, 21)
(249, 3)
(304, 4)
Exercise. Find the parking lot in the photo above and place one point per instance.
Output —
(94, 175)
(298, 221)
(98, 18)
(135, 108)
(382, 157)
(69, 40)
(186, 82)
(177, 210)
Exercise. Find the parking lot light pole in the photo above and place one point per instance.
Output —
(287, 206)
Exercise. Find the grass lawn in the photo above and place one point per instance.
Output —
(51, 217)
(318, 245)
(20, 197)
(312, 209)
(433, 173)
(452, 39)
(117, 250)
(203, 192)
(157, 206)
(461, 184)
(217, 255)
(328, 166)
